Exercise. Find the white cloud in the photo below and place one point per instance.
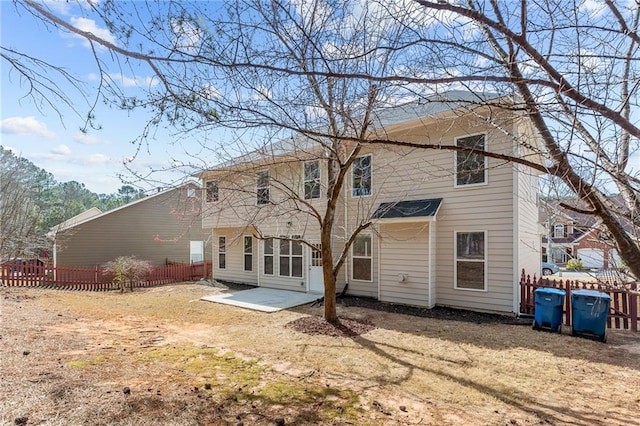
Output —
(61, 150)
(28, 126)
(90, 26)
(86, 138)
(133, 82)
(96, 159)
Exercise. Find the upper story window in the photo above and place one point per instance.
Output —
(262, 187)
(470, 267)
(361, 176)
(211, 191)
(558, 231)
(311, 180)
(471, 168)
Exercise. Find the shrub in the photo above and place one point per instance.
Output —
(127, 270)
(574, 264)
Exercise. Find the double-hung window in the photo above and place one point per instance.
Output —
(361, 176)
(222, 252)
(248, 253)
(558, 231)
(268, 256)
(471, 261)
(361, 258)
(262, 187)
(211, 191)
(471, 168)
(290, 258)
(311, 180)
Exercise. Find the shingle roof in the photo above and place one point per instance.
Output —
(407, 209)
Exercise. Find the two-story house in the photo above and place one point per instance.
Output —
(439, 227)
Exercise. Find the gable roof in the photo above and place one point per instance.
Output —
(69, 224)
(428, 107)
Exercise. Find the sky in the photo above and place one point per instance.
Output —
(52, 139)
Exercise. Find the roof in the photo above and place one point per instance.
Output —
(408, 209)
(71, 223)
(428, 107)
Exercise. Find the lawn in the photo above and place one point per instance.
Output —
(162, 356)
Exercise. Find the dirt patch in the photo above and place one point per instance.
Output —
(162, 356)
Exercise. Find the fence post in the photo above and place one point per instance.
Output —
(633, 307)
(567, 302)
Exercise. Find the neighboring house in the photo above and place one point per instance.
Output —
(448, 229)
(160, 228)
(569, 234)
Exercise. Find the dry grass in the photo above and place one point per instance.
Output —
(67, 357)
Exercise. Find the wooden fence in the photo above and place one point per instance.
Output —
(623, 308)
(95, 278)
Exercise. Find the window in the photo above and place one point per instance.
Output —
(268, 257)
(211, 191)
(222, 252)
(262, 188)
(361, 174)
(362, 260)
(191, 192)
(471, 168)
(558, 231)
(311, 180)
(290, 258)
(470, 265)
(248, 253)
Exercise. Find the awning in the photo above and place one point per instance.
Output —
(405, 211)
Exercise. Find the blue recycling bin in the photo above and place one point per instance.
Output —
(590, 311)
(548, 310)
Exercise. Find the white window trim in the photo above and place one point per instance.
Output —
(558, 226)
(244, 253)
(290, 256)
(304, 180)
(370, 235)
(268, 187)
(217, 198)
(486, 163)
(485, 261)
(223, 252)
(371, 166)
(272, 255)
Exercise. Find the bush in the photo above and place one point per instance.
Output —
(574, 264)
(127, 270)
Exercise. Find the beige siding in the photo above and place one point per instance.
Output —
(234, 270)
(151, 229)
(404, 249)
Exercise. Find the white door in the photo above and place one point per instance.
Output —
(196, 251)
(591, 258)
(316, 279)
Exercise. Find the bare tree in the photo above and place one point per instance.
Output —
(317, 72)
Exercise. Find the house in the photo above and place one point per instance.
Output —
(160, 228)
(570, 234)
(439, 227)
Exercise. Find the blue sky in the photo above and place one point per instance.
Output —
(54, 141)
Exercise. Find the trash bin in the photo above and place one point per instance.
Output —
(548, 310)
(590, 311)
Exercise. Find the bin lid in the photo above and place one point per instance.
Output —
(550, 290)
(590, 293)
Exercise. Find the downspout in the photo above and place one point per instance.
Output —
(379, 259)
(346, 234)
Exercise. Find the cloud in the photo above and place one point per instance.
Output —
(61, 150)
(90, 26)
(86, 138)
(125, 81)
(28, 126)
(95, 159)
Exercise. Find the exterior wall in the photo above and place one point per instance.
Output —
(404, 249)
(149, 229)
(234, 270)
(504, 208)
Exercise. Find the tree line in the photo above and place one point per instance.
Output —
(32, 202)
